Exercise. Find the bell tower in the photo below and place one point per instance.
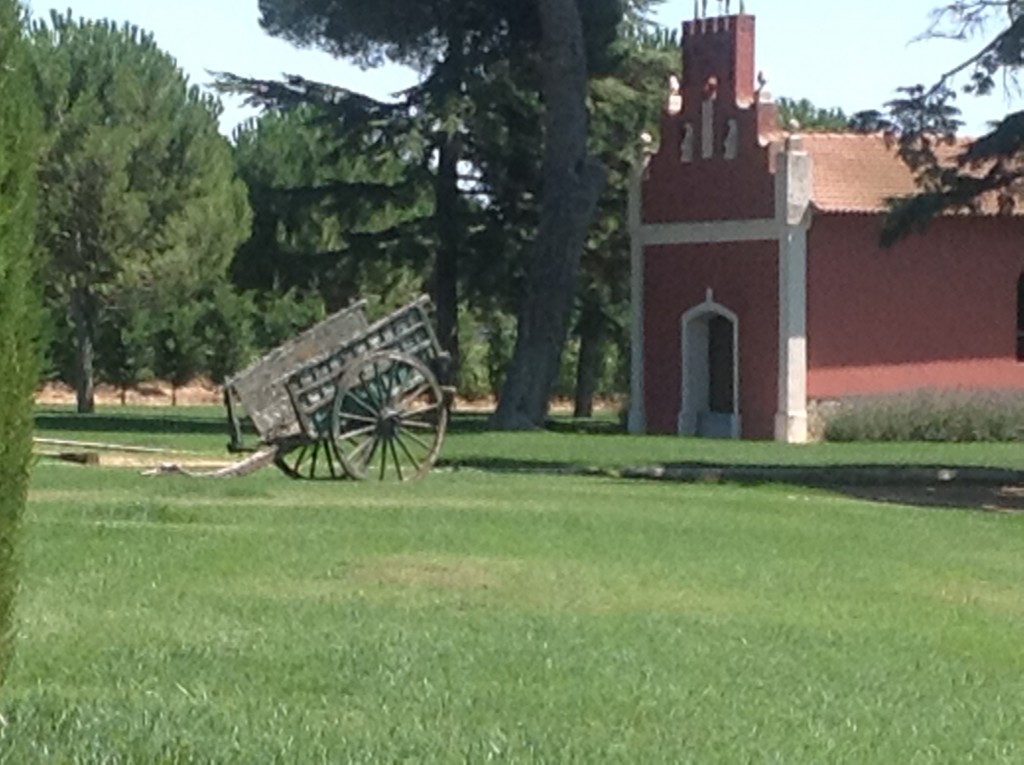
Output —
(718, 111)
(718, 58)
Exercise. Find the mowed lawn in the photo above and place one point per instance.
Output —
(203, 429)
(477, 617)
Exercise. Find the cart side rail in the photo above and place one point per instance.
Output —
(260, 388)
(312, 388)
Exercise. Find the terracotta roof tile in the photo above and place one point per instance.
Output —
(856, 172)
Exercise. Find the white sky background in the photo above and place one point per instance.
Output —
(847, 54)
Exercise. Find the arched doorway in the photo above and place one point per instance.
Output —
(710, 379)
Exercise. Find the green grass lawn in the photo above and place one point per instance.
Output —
(478, 617)
(203, 429)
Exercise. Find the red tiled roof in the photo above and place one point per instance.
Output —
(857, 172)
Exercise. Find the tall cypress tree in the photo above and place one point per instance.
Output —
(19, 305)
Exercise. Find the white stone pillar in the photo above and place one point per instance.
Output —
(793, 181)
(707, 128)
(637, 422)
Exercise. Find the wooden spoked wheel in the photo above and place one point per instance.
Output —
(310, 460)
(389, 419)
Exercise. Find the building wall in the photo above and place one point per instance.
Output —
(937, 310)
(718, 83)
(712, 189)
(744, 278)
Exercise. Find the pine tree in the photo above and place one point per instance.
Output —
(811, 118)
(137, 187)
(624, 101)
(458, 47)
(573, 181)
(624, 104)
(332, 214)
(924, 121)
(19, 302)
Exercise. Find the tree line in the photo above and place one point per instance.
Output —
(171, 251)
(136, 240)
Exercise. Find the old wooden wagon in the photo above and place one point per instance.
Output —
(347, 398)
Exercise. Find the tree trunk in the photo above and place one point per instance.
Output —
(446, 262)
(446, 196)
(588, 366)
(573, 181)
(82, 319)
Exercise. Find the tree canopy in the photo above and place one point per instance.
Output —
(332, 213)
(464, 50)
(138, 191)
(572, 182)
(925, 121)
(811, 118)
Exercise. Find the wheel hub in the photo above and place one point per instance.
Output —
(389, 423)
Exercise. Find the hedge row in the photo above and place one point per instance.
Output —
(929, 415)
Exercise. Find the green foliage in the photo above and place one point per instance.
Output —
(925, 121)
(929, 415)
(488, 339)
(331, 213)
(138, 191)
(372, 31)
(624, 103)
(474, 382)
(125, 339)
(420, 35)
(56, 344)
(811, 118)
(477, 60)
(279, 317)
(211, 331)
(180, 349)
(19, 304)
(226, 331)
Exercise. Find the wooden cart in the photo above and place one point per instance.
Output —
(348, 399)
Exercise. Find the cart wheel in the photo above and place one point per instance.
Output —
(310, 460)
(389, 418)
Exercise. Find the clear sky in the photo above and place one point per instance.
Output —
(850, 54)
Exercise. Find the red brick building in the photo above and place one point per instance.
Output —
(759, 285)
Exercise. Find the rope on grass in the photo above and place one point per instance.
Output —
(100, 446)
(250, 464)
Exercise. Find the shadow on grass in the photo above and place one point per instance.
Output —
(964, 487)
(509, 465)
(1008, 498)
(919, 485)
(933, 486)
(177, 422)
(127, 422)
(469, 422)
(990, 489)
(479, 422)
(590, 427)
